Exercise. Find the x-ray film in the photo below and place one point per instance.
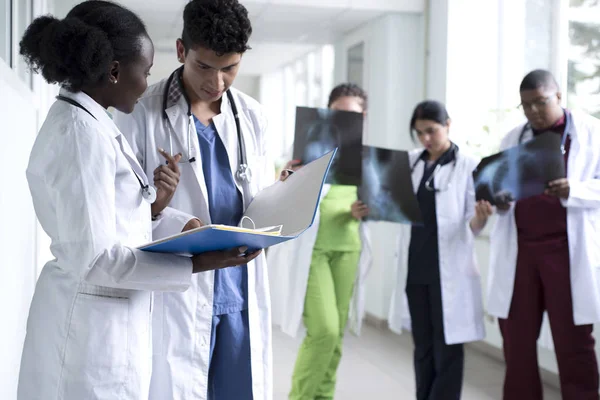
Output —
(520, 172)
(387, 187)
(319, 131)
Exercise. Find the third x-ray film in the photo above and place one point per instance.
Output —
(387, 187)
(521, 171)
(318, 131)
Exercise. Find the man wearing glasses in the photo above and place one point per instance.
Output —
(545, 253)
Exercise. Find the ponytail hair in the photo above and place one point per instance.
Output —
(77, 51)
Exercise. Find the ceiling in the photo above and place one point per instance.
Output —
(283, 30)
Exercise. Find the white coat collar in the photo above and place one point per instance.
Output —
(103, 117)
(99, 112)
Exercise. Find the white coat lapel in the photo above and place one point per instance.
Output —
(225, 127)
(128, 153)
(577, 138)
(417, 174)
(178, 120)
(105, 119)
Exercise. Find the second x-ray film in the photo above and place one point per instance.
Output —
(319, 130)
(387, 187)
(520, 172)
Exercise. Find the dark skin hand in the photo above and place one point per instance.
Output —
(218, 259)
(222, 259)
(166, 179)
(289, 169)
(359, 210)
(503, 201)
(559, 188)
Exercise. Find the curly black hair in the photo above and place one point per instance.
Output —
(222, 26)
(76, 52)
(347, 89)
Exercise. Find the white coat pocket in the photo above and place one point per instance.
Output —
(96, 353)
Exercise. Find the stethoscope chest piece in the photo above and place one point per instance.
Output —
(149, 194)
(244, 173)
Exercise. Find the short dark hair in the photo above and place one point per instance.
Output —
(537, 79)
(76, 51)
(222, 26)
(347, 90)
(430, 110)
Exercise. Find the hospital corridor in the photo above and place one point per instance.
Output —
(300, 199)
(378, 365)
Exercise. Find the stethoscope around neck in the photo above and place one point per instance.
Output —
(565, 135)
(243, 172)
(429, 182)
(148, 192)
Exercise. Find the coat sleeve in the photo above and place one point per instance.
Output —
(83, 187)
(134, 128)
(586, 193)
(505, 144)
(470, 201)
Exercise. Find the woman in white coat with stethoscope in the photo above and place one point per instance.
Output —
(436, 262)
(89, 332)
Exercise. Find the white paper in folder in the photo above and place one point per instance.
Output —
(292, 203)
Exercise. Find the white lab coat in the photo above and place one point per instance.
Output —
(583, 227)
(459, 274)
(89, 332)
(289, 266)
(184, 320)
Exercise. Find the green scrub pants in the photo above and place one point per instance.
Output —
(328, 294)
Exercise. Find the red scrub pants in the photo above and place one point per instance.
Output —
(542, 283)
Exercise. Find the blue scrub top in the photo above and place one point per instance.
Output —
(226, 207)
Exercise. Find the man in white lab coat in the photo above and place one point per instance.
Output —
(213, 341)
(545, 253)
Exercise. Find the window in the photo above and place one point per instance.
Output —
(304, 82)
(522, 37)
(6, 31)
(583, 88)
(356, 61)
(538, 34)
(23, 12)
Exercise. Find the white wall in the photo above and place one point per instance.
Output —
(394, 74)
(24, 247)
(248, 84)
(18, 244)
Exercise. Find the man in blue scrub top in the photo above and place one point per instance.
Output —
(214, 340)
(230, 341)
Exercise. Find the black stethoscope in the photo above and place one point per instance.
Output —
(243, 172)
(148, 192)
(565, 135)
(429, 182)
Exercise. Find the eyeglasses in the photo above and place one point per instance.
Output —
(538, 103)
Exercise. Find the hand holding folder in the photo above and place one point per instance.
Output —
(278, 213)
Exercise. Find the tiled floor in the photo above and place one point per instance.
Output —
(378, 365)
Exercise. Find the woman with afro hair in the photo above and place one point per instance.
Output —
(88, 331)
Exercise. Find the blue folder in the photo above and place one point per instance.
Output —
(292, 204)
